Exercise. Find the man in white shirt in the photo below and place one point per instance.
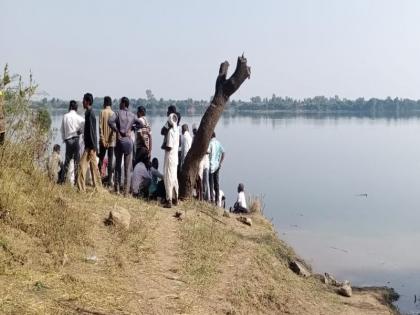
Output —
(186, 141)
(71, 128)
(240, 204)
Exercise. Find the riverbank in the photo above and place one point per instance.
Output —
(58, 256)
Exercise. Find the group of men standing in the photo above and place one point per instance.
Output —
(128, 137)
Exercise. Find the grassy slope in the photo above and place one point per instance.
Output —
(161, 265)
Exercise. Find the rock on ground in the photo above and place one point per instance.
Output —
(120, 216)
(298, 268)
(345, 289)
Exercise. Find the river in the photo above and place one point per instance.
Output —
(343, 191)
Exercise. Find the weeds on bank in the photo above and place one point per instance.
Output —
(256, 204)
(31, 207)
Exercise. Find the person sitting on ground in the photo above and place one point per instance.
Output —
(186, 141)
(157, 186)
(240, 204)
(55, 165)
(141, 178)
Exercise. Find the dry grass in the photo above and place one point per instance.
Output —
(225, 268)
(48, 270)
(33, 207)
(205, 243)
(48, 231)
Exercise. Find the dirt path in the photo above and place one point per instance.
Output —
(163, 287)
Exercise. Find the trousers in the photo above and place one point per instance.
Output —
(214, 186)
(72, 153)
(128, 160)
(88, 159)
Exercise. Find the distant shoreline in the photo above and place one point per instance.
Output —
(279, 113)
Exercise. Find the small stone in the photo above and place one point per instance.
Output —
(92, 259)
(299, 269)
(226, 214)
(120, 216)
(345, 289)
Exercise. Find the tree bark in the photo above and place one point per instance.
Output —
(224, 89)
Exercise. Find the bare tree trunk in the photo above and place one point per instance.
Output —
(224, 89)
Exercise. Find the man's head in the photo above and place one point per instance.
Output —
(124, 103)
(87, 100)
(171, 110)
(184, 128)
(155, 163)
(56, 148)
(107, 101)
(141, 111)
(213, 135)
(73, 105)
(194, 129)
(241, 188)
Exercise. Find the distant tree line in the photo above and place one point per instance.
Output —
(324, 104)
(258, 104)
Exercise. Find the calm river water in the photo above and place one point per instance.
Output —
(312, 172)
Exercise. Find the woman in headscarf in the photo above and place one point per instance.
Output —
(171, 145)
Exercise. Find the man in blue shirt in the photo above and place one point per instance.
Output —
(216, 156)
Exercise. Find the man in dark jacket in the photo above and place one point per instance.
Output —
(91, 147)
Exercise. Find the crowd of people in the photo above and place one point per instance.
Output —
(121, 159)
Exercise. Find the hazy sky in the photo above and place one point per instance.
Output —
(296, 48)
